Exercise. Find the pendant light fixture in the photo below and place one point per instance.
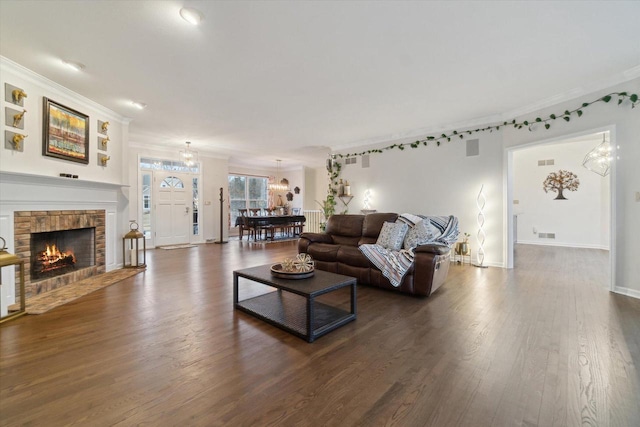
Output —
(279, 184)
(188, 156)
(598, 160)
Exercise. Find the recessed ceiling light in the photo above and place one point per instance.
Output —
(191, 15)
(76, 66)
(139, 105)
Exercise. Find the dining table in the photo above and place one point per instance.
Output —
(270, 220)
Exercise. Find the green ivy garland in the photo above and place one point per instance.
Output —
(530, 124)
(328, 205)
(334, 167)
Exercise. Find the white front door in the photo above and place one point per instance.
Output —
(173, 202)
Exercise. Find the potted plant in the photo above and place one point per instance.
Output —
(327, 207)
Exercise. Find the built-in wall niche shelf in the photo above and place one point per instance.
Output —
(345, 199)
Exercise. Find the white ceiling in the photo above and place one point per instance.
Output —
(264, 80)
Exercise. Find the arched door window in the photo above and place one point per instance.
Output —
(172, 181)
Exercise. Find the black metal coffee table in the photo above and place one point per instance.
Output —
(293, 306)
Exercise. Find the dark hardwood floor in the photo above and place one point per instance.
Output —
(544, 344)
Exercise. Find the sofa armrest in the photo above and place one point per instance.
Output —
(434, 249)
(317, 237)
(307, 239)
(431, 265)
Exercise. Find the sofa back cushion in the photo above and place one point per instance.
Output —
(372, 226)
(345, 229)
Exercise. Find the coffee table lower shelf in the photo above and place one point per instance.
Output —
(289, 312)
(292, 305)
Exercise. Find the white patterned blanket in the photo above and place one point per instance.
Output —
(395, 264)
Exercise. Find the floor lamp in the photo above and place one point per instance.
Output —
(481, 201)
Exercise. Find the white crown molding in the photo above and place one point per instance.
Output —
(415, 134)
(7, 65)
(619, 78)
(616, 79)
(174, 150)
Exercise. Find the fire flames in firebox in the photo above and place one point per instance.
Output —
(53, 259)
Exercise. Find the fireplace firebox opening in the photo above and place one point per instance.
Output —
(54, 253)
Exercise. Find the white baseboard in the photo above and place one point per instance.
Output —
(560, 244)
(626, 291)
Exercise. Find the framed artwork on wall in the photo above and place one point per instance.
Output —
(65, 133)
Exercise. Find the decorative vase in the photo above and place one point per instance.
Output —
(464, 249)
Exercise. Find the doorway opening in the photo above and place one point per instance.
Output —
(169, 202)
(581, 217)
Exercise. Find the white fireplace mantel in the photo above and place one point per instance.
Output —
(46, 188)
(30, 192)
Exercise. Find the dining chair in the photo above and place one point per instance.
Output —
(246, 226)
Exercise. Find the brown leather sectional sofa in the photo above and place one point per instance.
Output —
(337, 251)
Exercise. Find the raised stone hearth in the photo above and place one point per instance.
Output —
(27, 222)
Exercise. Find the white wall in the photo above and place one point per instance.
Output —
(320, 185)
(215, 176)
(580, 221)
(32, 160)
(309, 189)
(436, 181)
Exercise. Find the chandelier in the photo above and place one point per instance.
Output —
(279, 184)
(598, 160)
(189, 157)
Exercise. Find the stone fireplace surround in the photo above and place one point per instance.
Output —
(27, 222)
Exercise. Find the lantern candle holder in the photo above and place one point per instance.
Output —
(132, 249)
(7, 259)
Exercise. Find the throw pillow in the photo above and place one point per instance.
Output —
(392, 235)
(421, 233)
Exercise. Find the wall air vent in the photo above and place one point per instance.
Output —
(473, 147)
(549, 162)
(350, 161)
(546, 235)
(541, 162)
(365, 161)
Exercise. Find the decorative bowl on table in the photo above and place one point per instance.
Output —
(300, 267)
